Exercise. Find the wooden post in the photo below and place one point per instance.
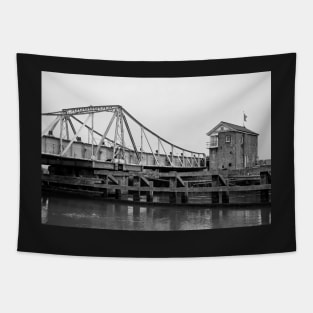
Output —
(225, 194)
(125, 183)
(173, 194)
(185, 196)
(106, 191)
(118, 194)
(150, 192)
(215, 195)
(265, 179)
(136, 183)
(225, 197)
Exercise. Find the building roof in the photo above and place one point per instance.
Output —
(232, 127)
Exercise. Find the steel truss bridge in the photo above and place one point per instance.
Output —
(78, 140)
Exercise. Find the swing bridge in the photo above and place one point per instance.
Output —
(127, 159)
(125, 143)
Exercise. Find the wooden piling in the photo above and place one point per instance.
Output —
(173, 197)
(173, 193)
(150, 192)
(215, 196)
(124, 182)
(114, 184)
(136, 193)
(105, 193)
(118, 194)
(225, 197)
(185, 195)
(265, 178)
(106, 190)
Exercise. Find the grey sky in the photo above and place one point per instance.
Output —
(180, 110)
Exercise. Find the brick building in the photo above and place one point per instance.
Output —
(232, 147)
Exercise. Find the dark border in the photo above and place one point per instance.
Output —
(277, 237)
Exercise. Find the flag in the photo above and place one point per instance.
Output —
(245, 117)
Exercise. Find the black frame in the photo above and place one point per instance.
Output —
(277, 237)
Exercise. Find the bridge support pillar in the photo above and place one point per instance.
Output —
(219, 196)
(225, 197)
(173, 197)
(265, 178)
(136, 193)
(123, 181)
(215, 197)
(150, 192)
(136, 196)
(265, 196)
(105, 191)
(118, 194)
(185, 197)
(173, 193)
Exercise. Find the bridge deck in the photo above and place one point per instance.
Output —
(83, 151)
(52, 159)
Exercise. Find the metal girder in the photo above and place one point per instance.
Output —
(97, 133)
(105, 133)
(92, 139)
(188, 159)
(168, 159)
(156, 160)
(141, 144)
(67, 132)
(80, 122)
(115, 134)
(131, 137)
(72, 126)
(61, 134)
(182, 164)
(122, 135)
(85, 110)
(80, 129)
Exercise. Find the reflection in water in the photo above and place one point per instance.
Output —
(90, 213)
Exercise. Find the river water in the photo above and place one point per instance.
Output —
(74, 211)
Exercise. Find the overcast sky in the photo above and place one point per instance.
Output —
(180, 110)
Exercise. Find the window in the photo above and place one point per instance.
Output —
(241, 140)
(227, 138)
(214, 141)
